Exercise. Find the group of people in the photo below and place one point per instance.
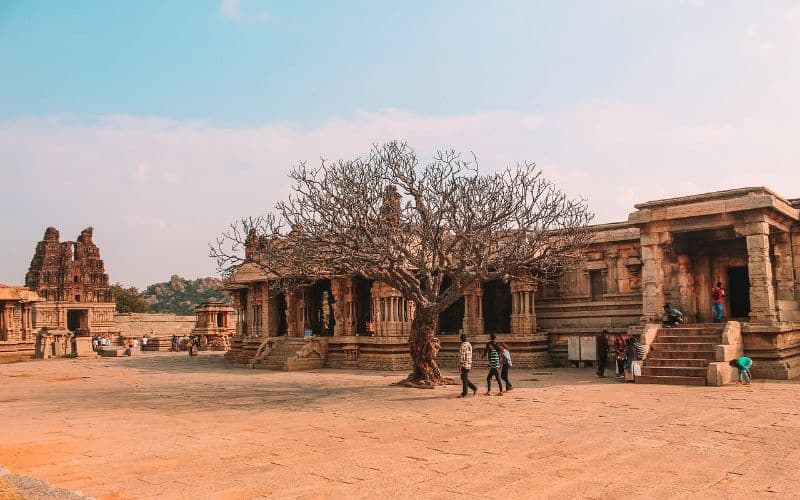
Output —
(191, 344)
(100, 340)
(499, 358)
(626, 351)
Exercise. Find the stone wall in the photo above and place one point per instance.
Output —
(159, 327)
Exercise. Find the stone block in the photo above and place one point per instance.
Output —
(720, 373)
(83, 346)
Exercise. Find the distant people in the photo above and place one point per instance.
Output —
(493, 353)
(718, 302)
(671, 316)
(191, 346)
(135, 343)
(620, 350)
(174, 346)
(144, 342)
(465, 365)
(602, 353)
(95, 343)
(743, 364)
(505, 360)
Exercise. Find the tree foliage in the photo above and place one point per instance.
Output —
(129, 300)
(414, 226)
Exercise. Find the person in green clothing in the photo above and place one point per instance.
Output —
(493, 353)
(743, 364)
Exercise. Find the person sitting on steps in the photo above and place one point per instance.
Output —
(671, 316)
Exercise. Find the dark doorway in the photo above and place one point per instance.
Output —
(496, 307)
(76, 319)
(319, 307)
(451, 320)
(280, 305)
(220, 320)
(597, 285)
(739, 292)
(362, 305)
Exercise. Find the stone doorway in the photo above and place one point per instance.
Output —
(281, 325)
(496, 307)
(451, 320)
(739, 292)
(77, 319)
(362, 305)
(319, 309)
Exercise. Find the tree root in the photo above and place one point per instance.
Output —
(413, 383)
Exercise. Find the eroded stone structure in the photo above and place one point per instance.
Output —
(671, 250)
(17, 333)
(71, 279)
(215, 325)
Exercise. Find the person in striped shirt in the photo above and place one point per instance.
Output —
(493, 353)
(465, 365)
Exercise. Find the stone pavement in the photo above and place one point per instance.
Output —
(169, 426)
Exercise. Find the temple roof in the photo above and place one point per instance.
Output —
(18, 293)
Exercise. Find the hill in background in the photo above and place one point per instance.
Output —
(180, 296)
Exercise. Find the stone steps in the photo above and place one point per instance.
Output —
(675, 354)
(678, 362)
(669, 380)
(686, 346)
(680, 355)
(688, 339)
(675, 371)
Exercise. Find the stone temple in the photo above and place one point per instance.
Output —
(70, 278)
(668, 251)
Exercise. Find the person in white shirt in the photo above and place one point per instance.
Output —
(465, 365)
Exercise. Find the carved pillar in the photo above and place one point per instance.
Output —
(523, 315)
(340, 289)
(686, 300)
(612, 257)
(783, 267)
(759, 267)
(472, 323)
(795, 242)
(653, 273)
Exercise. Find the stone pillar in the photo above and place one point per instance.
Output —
(523, 315)
(472, 323)
(612, 257)
(759, 267)
(795, 242)
(783, 266)
(342, 295)
(686, 297)
(653, 273)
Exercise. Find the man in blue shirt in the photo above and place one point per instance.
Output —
(743, 364)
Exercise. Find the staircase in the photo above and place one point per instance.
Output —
(680, 355)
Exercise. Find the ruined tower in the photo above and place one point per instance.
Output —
(70, 276)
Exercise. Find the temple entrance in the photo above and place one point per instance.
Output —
(319, 309)
(281, 326)
(451, 320)
(496, 307)
(362, 304)
(739, 292)
(77, 319)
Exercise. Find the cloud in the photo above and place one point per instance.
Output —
(158, 190)
(230, 9)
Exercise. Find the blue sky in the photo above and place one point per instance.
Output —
(161, 122)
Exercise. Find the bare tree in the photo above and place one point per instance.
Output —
(427, 230)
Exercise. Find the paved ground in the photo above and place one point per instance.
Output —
(169, 426)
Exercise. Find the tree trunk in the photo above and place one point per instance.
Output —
(424, 346)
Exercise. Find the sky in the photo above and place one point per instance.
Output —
(159, 123)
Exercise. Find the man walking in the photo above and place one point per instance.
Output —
(465, 365)
(602, 353)
(717, 302)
